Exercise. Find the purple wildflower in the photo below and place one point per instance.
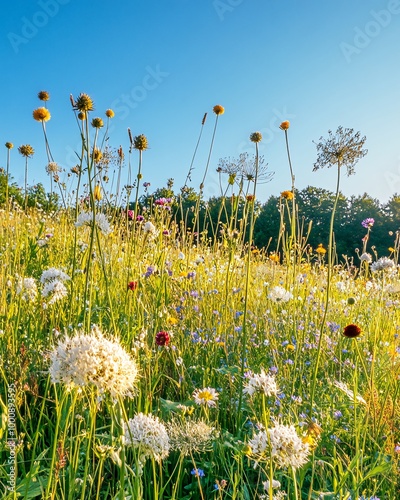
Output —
(367, 223)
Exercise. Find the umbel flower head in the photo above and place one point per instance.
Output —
(149, 435)
(282, 444)
(41, 115)
(345, 147)
(84, 103)
(26, 150)
(190, 436)
(218, 109)
(96, 361)
(262, 383)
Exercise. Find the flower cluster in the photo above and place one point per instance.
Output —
(190, 436)
(149, 435)
(27, 288)
(263, 383)
(279, 294)
(93, 360)
(282, 444)
(382, 264)
(86, 219)
(367, 223)
(53, 284)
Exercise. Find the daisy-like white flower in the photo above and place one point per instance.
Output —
(279, 294)
(93, 360)
(27, 288)
(262, 382)
(149, 435)
(207, 396)
(101, 221)
(282, 444)
(382, 264)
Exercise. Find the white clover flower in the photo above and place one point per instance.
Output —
(27, 288)
(382, 264)
(263, 383)
(94, 360)
(53, 274)
(56, 289)
(149, 435)
(100, 219)
(279, 294)
(282, 444)
(207, 396)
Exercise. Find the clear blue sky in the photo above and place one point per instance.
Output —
(162, 65)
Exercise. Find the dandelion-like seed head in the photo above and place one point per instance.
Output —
(41, 114)
(94, 360)
(284, 125)
(43, 95)
(110, 113)
(149, 435)
(190, 436)
(26, 150)
(218, 109)
(97, 123)
(140, 142)
(352, 331)
(9, 145)
(84, 103)
(256, 137)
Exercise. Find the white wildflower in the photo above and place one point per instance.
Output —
(366, 257)
(181, 256)
(56, 289)
(282, 444)
(149, 435)
(190, 436)
(27, 288)
(263, 383)
(149, 227)
(382, 264)
(275, 484)
(279, 294)
(207, 396)
(86, 219)
(93, 359)
(53, 274)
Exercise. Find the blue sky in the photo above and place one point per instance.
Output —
(162, 65)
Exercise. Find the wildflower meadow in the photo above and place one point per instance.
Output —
(150, 350)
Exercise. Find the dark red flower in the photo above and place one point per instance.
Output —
(162, 338)
(352, 331)
(132, 285)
